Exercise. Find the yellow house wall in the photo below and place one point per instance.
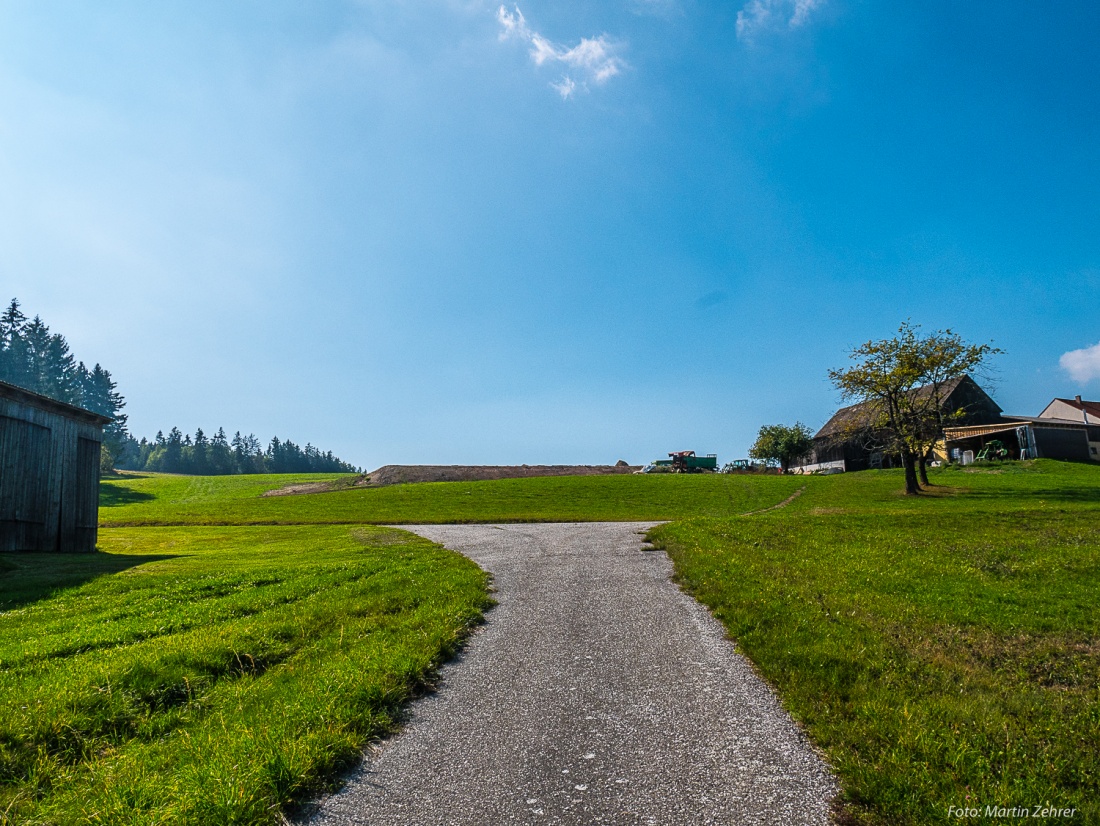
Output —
(939, 450)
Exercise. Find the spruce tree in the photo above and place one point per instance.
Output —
(58, 376)
(173, 452)
(220, 457)
(36, 338)
(200, 464)
(99, 393)
(11, 328)
(15, 366)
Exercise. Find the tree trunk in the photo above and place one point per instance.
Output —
(922, 468)
(910, 463)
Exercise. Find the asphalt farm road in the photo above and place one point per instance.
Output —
(596, 693)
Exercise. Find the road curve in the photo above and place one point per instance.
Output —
(596, 693)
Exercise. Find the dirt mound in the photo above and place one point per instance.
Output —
(403, 474)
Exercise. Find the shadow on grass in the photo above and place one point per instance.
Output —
(1078, 496)
(29, 577)
(112, 495)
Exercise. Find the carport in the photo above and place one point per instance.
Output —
(1025, 437)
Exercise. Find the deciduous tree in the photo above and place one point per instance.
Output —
(782, 444)
(902, 383)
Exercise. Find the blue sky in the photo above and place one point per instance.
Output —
(455, 231)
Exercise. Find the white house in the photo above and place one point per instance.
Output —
(1075, 409)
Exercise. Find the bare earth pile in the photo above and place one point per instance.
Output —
(400, 474)
(404, 474)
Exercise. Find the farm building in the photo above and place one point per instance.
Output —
(1073, 410)
(1077, 410)
(1029, 437)
(49, 473)
(1066, 429)
(847, 441)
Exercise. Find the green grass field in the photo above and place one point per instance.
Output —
(942, 651)
(213, 675)
(236, 500)
(226, 654)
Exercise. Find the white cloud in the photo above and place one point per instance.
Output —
(593, 57)
(512, 25)
(764, 15)
(802, 11)
(1082, 365)
(565, 87)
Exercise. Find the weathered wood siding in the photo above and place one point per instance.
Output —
(49, 473)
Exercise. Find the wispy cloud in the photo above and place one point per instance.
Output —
(565, 87)
(593, 59)
(655, 8)
(1082, 365)
(758, 16)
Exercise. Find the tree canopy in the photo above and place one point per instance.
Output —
(782, 443)
(902, 381)
(34, 358)
(38, 360)
(217, 455)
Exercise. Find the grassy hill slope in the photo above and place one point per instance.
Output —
(225, 654)
(236, 500)
(944, 651)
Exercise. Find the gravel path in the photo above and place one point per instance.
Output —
(597, 692)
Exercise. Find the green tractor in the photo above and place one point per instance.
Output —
(994, 451)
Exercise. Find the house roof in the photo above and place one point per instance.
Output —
(28, 397)
(857, 416)
(1092, 408)
(1044, 421)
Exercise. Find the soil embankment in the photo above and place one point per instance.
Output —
(401, 474)
(405, 474)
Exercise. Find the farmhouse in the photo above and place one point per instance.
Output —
(848, 440)
(1073, 410)
(49, 473)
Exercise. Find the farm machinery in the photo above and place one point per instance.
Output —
(994, 451)
(685, 461)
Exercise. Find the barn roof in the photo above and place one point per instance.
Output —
(28, 397)
(857, 416)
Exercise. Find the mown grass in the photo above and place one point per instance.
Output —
(237, 500)
(213, 675)
(944, 651)
(226, 654)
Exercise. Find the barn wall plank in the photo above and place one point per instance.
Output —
(49, 474)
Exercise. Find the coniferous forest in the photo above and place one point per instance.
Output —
(33, 357)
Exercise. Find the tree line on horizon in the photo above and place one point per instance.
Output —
(36, 359)
(218, 455)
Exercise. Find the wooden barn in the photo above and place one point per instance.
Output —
(49, 473)
(847, 441)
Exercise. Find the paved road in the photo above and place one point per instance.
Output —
(597, 692)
